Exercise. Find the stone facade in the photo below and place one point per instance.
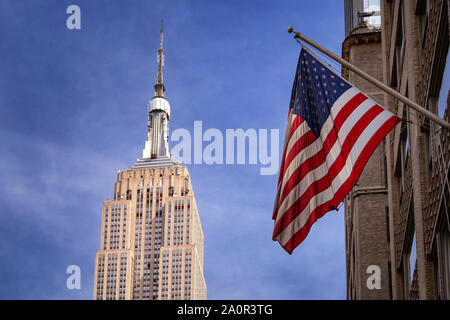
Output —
(415, 43)
(414, 61)
(367, 241)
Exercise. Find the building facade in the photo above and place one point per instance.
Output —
(366, 229)
(151, 240)
(415, 162)
(415, 45)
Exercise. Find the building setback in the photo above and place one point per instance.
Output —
(151, 240)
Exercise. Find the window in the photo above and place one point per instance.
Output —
(409, 254)
(372, 18)
(402, 153)
(390, 279)
(445, 88)
(422, 10)
(399, 49)
(412, 257)
(391, 11)
(387, 225)
(443, 264)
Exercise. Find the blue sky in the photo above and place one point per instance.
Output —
(73, 105)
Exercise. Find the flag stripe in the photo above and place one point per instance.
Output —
(341, 111)
(315, 187)
(332, 131)
(295, 130)
(322, 197)
(300, 234)
(350, 100)
(358, 132)
(327, 155)
(337, 106)
(290, 118)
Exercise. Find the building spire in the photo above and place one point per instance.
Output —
(157, 143)
(159, 85)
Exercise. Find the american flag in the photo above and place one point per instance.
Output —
(332, 131)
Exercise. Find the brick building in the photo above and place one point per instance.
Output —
(365, 206)
(413, 164)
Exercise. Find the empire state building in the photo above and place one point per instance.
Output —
(151, 243)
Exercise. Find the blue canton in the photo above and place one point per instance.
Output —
(315, 90)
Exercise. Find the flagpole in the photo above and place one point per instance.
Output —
(379, 84)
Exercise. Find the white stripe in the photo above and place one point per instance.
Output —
(298, 133)
(331, 157)
(337, 182)
(337, 106)
(316, 146)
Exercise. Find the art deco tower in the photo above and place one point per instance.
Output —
(151, 240)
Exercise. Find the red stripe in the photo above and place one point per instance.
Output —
(320, 157)
(349, 107)
(322, 184)
(303, 142)
(320, 211)
(343, 114)
(295, 124)
(286, 140)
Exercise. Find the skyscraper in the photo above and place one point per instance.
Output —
(151, 240)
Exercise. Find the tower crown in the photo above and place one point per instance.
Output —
(159, 103)
(156, 149)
